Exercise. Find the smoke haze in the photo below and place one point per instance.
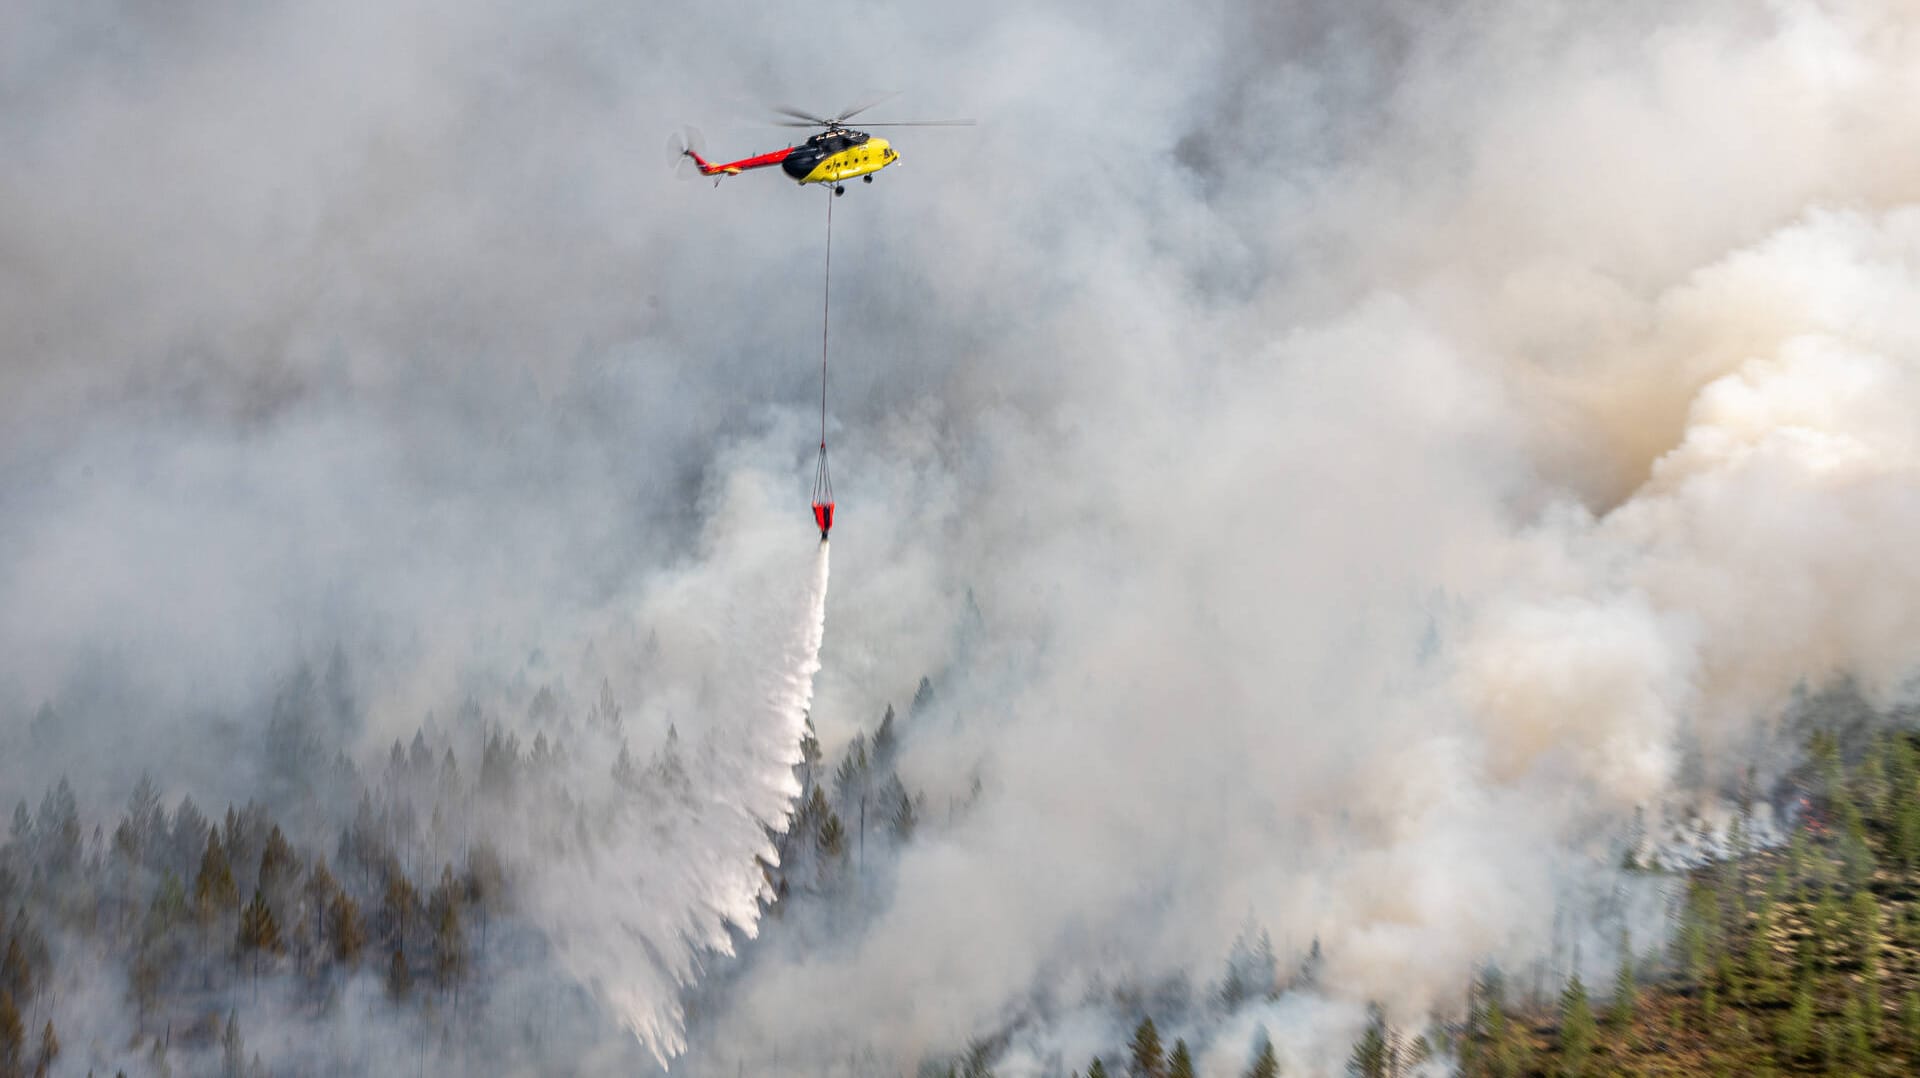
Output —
(1335, 463)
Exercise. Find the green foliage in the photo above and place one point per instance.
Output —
(1910, 1021)
(1265, 1064)
(1149, 1059)
(278, 863)
(1625, 990)
(346, 934)
(1373, 1055)
(1796, 1029)
(1762, 969)
(1180, 1063)
(1577, 1030)
(213, 887)
(1852, 1045)
(1096, 1069)
(259, 931)
(833, 837)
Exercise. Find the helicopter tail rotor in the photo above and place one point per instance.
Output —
(684, 149)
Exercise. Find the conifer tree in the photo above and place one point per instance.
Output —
(278, 863)
(1265, 1063)
(810, 757)
(1796, 1029)
(449, 941)
(886, 741)
(1373, 1053)
(1868, 942)
(16, 974)
(213, 888)
(1762, 968)
(49, 1049)
(259, 932)
(1852, 1044)
(905, 818)
(1180, 1063)
(398, 907)
(1149, 1060)
(1625, 991)
(399, 977)
(833, 836)
(1096, 1069)
(13, 1035)
(1910, 1021)
(1577, 1030)
(233, 1049)
(346, 934)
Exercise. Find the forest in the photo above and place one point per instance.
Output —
(1799, 955)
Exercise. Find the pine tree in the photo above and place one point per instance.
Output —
(398, 907)
(233, 1049)
(399, 977)
(833, 836)
(449, 940)
(1853, 1045)
(1910, 1021)
(624, 771)
(1180, 1063)
(1762, 968)
(1265, 1063)
(259, 932)
(1796, 1029)
(16, 973)
(49, 1048)
(1149, 1060)
(1373, 1053)
(13, 1035)
(886, 741)
(1577, 1030)
(213, 888)
(905, 818)
(1868, 942)
(1096, 1069)
(810, 757)
(346, 934)
(1625, 992)
(278, 864)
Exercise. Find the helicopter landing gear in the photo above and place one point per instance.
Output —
(838, 190)
(866, 179)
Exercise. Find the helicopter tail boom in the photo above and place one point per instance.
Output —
(734, 168)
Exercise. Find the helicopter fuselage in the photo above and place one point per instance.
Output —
(829, 157)
(833, 156)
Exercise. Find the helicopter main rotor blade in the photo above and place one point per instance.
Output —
(923, 123)
(811, 119)
(865, 105)
(796, 123)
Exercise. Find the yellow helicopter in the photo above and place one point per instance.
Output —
(834, 155)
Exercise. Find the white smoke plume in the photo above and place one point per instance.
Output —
(1337, 462)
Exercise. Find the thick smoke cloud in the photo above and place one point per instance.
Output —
(1337, 462)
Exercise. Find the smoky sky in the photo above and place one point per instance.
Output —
(1336, 461)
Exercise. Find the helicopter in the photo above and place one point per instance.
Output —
(834, 155)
